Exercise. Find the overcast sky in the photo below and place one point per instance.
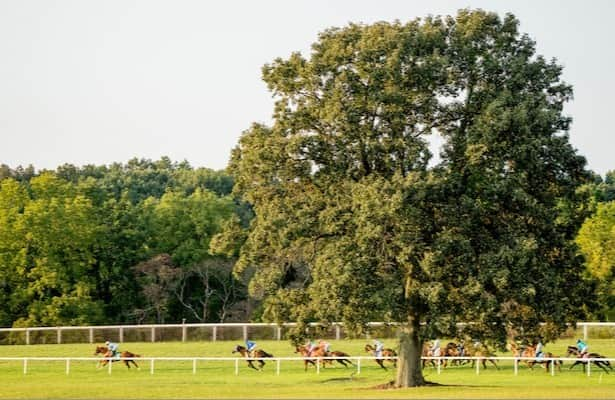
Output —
(96, 82)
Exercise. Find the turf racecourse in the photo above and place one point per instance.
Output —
(217, 379)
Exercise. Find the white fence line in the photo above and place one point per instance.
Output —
(215, 327)
(318, 361)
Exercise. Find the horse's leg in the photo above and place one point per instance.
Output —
(575, 363)
(251, 365)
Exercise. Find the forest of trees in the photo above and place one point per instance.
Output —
(117, 244)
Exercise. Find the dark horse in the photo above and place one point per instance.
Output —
(254, 354)
(385, 353)
(109, 354)
(603, 364)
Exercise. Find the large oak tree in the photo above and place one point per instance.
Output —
(354, 223)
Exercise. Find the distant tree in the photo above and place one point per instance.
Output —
(596, 240)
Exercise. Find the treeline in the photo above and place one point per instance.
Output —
(124, 243)
(133, 243)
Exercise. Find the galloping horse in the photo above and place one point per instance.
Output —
(255, 354)
(109, 354)
(311, 357)
(530, 351)
(603, 364)
(344, 361)
(385, 353)
(483, 353)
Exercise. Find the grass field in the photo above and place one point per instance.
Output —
(217, 379)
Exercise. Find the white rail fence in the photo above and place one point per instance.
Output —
(278, 361)
(201, 331)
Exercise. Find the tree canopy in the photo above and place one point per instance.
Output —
(354, 220)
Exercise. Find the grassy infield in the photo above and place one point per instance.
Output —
(173, 379)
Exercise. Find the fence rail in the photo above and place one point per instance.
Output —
(278, 360)
(196, 331)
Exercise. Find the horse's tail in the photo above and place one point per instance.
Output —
(265, 354)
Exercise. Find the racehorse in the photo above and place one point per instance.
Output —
(482, 352)
(254, 354)
(530, 352)
(311, 357)
(344, 361)
(109, 354)
(603, 364)
(385, 353)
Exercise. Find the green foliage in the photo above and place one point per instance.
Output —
(69, 239)
(351, 223)
(596, 240)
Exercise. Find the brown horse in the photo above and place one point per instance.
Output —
(109, 354)
(253, 354)
(482, 352)
(311, 357)
(344, 361)
(530, 351)
(385, 353)
(603, 364)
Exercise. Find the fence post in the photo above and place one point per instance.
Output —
(184, 330)
(439, 362)
(318, 366)
(477, 366)
(91, 335)
(278, 368)
(27, 336)
(67, 366)
(516, 366)
(194, 366)
(237, 366)
(153, 334)
(59, 335)
(214, 333)
(588, 367)
(151, 367)
(110, 365)
(279, 334)
(337, 332)
(245, 332)
(121, 334)
(358, 366)
(585, 332)
(25, 366)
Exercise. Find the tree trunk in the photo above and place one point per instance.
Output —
(409, 369)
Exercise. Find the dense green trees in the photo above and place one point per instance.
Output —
(352, 223)
(75, 244)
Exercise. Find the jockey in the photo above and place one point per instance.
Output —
(379, 347)
(310, 346)
(435, 348)
(250, 346)
(539, 352)
(326, 346)
(461, 348)
(113, 348)
(583, 348)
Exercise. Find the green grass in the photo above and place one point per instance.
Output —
(217, 379)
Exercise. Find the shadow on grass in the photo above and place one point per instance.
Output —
(391, 385)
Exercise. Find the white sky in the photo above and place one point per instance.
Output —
(95, 82)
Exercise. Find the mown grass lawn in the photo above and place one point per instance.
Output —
(217, 379)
